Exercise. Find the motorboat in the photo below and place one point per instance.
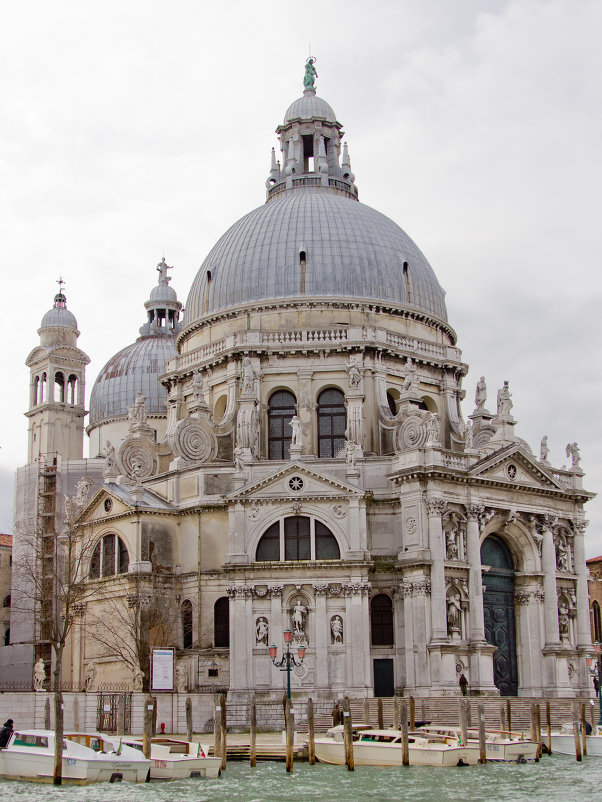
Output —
(500, 746)
(174, 759)
(384, 748)
(29, 755)
(563, 741)
(122, 762)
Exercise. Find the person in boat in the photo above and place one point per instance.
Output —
(6, 732)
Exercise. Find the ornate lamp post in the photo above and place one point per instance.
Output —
(288, 660)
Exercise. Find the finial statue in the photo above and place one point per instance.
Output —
(544, 451)
(572, 451)
(310, 73)
(504, 400)
(163, 267)
(480, 395)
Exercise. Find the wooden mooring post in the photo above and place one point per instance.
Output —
(253, 735)
(533, 727)
(188, 718)
(575, 718)
(538, 731)
(583, 732)
(509, 713)
(412, 713)
(348, 734)
(395, 713)
(311, 739)
(381, 720)
(463, 721)
(366, 710)
(120, 715)
(482, 744)
(217, 718)
(405, 746)
(503, 722)
(223, 731)
(549, 726)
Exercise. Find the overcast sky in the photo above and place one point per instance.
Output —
(132, 129)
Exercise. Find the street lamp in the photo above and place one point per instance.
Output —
(288, 660)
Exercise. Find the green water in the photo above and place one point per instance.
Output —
(555, 778)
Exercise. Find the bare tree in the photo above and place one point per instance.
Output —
(50, 569)
(134, 615)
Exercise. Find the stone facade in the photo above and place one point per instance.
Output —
(313, 472)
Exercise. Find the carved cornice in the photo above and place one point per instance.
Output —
(421, 587)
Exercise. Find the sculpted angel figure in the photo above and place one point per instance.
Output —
(247, 379)
(544, 451)
(410, 379)
(261, 631)
(109, 455)
(336, 629)
(355, 376)
(299, 613)
(82, 489)
(572, 451)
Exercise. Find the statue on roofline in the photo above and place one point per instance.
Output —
(310, 73)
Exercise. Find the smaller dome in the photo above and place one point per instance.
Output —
(59, 315)
(308, 107)
(163, 292)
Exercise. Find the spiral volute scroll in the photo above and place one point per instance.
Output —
(136, 460)
(410, 434)
(191, 441)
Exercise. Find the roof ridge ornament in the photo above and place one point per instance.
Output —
(311, 74)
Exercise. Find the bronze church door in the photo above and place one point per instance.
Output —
(498, 608)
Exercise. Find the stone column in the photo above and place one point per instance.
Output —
(357, 630)
(435, 509)
(473, 554)
(322, 631)
(548, 564)
(583, 626)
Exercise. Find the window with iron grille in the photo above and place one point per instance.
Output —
(381, 620)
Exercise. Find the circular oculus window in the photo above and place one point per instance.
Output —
(295, 483)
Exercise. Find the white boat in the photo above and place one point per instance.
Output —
(117, 760)
(563, 741)
(500, 747)
(384, 748)
(173, 759)
(29, 755)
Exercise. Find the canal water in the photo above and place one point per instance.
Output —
(554, 778)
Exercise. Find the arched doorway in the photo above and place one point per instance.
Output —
(498, 607)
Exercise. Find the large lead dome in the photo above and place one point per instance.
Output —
(312, 238)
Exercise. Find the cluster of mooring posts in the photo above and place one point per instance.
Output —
(404, 719)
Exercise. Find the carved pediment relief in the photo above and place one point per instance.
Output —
(515, 466)
(296, 481)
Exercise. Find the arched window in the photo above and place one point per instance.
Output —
(221, 623)
(392, 404)
(281, 408)
(42, 396)
(331, 422)
(109, 557)
(297, 538)
(186, 612)
(597, 622)
(381, 620)
(6, 602)
(59, 387)
(36, 391)
(7, 636)
(72, 389)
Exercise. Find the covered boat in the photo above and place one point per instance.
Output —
(563, 741)
(500, 747)
(174, 759)
(384, 748)
(29, 755)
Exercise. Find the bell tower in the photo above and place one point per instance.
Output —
(57, 386)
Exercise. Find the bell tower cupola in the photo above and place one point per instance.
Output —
(57, 385)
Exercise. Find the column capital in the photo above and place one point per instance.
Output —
(549, 522)
(474, 511)
(580, 527)
(435, 507)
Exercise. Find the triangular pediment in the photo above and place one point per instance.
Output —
(514, 465)
(121, 503)
(296, 480)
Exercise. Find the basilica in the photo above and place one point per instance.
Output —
(290, 460)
